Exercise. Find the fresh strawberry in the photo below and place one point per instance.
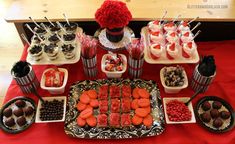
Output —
(172, 47)
(185, 24)
(173, 34)
(156, 22)
(186, 34)
(170, 24)
(109, 67)
(157, 47)
(156, 33)
(119, 68)
(190, 44)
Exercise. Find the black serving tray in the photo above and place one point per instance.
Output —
(72, 129)
(229, 123)
(30, 121)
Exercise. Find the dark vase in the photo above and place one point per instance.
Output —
(115, 35)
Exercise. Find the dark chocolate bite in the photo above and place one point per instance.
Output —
(206, 106)
(216, 105)
(7, 112)
(214, 113)
(69, 37)
(18, 112)
(20, 103)
(206, 117)
(21, 121)
(224, 114)
(217, 123)
(10, 122)
(29, 111)
(35, 49)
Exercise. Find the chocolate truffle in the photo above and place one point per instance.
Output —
(20, 103)
(18, 112)
(206, 106)
(205, 117)
(217, 123)
(21, 121)
(7, 112)
(224, 114)
(216, 105)
(29, 111)
(214, 113)
(10, 122)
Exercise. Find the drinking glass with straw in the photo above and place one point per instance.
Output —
(136, 57)
(88, 54)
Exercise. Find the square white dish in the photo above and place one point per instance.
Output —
(113, 74)
(172, 89)
(54, 90)
(182, 99)
(38, 120)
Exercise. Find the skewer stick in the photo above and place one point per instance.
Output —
(34, 22)
(60, 38)
(66, 18)
(39, 37)
(163, 16)
(61, 26)
(49, 21)
(198, 32)
(45, 28)
(193, 20)
(30, 28)
(198, 24)
(177, 18)
(24, 38)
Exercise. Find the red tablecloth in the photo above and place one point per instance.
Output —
(222, 86)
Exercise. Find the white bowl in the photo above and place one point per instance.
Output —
(182, 99)
(173, 89)
(38, 120)
(55, 90)
(113, 74)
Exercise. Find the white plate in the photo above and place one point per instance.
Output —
(38, 120)
(182, 99)
(61, 58)
(163, 59)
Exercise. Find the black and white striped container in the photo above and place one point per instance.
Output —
(27, 83)
(201, 82)
(89, 66)
(135, 67)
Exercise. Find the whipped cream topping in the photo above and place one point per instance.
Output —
(172, 37)
(155, 26)
(186, 36)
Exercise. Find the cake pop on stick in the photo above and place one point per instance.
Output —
(49, 21)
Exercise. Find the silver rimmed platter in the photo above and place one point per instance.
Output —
(72, 129)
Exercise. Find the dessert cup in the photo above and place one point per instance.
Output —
(72, 28)
(53, 39)
(155, 26)
(156, 50)
(172, 50)
(52, 51)
(35, 52)
(172, 37)
(68, 51)
(157, 37)
(69, 38)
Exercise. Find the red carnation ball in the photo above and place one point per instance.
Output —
(113, 14)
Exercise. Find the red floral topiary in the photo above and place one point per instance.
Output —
(113, 14)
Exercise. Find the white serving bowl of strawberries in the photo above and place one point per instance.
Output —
(113, 65)
(54, 80)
